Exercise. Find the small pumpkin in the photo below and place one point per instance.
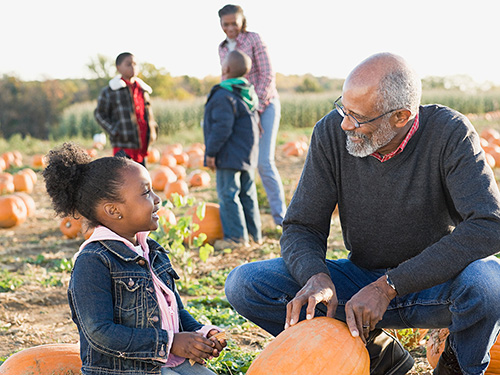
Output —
(30, 172)
(28, 201)
(39, 161)
(181, 158)
(161, 176)
(320, 346)
(154, 155)
(6, 183)
(211, 223)
(23, 182)
(168, 160)
(70, 227)
(180, 187)
(199, 178)
(53, 359)
(180, 171)
(13, 211)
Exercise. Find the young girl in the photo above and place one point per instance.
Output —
(122, 293)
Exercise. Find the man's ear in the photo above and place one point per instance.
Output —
(402, 116)
(111, 211)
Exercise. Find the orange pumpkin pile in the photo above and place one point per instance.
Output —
(320, 346)
(53, 359)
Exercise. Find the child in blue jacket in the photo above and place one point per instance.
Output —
(231, 131)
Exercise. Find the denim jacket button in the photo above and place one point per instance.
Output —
(162, 353)
(155, 319)
(150, 289)
(141, 262)
(131, 283)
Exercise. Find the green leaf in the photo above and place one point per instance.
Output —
(205, 251)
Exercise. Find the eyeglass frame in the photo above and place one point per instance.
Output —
(357, 124)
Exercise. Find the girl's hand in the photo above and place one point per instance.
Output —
(192, 345)
(220, 343)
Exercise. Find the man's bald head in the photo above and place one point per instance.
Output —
(389, 78)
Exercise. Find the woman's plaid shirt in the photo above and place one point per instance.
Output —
(261, 75)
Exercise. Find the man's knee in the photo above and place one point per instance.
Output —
(480, 281)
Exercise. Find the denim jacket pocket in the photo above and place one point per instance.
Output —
(130, 296)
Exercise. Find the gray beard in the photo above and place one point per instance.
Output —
(379, 138)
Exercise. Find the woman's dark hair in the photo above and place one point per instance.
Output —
(122, 56)
(234, 9)
(76, 184)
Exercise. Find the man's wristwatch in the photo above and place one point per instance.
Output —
(390, 283)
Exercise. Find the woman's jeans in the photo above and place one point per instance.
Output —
(271, 180)
(469, 304)
(185, 368)
(239, 207)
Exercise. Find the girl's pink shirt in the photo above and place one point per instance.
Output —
(166, 297)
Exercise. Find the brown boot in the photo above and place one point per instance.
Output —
(448, 363)
(387, 355)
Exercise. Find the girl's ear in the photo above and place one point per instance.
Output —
(111, 211)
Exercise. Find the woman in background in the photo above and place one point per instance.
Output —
(233, 23)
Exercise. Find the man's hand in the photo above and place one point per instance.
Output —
(367, 307)
(319, 288)
(210, 161)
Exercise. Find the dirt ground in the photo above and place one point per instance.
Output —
(33, 314)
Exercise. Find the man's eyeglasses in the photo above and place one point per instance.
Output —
(357, 124)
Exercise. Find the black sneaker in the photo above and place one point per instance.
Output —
(448, 363)
(387, 355)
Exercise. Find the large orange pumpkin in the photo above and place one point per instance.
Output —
(320, 346)
(211, 224)
(70, 227)
(13, 211)
(49, 359)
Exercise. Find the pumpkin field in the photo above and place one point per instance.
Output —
(36, 247)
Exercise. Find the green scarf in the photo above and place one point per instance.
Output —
(242, 88)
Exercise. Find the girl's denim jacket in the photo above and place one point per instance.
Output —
(114, 305)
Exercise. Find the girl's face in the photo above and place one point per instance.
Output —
(231, 24)
(140, 204)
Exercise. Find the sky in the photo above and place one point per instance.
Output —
(52, 39)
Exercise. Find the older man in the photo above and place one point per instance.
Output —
(420, 215)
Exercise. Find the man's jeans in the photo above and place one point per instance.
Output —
(239, 207)
(271, 180)
(185, 368)
(469, 305)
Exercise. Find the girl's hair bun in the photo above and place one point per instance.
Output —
(65, 170)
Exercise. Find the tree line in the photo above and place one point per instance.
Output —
(31, 108)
